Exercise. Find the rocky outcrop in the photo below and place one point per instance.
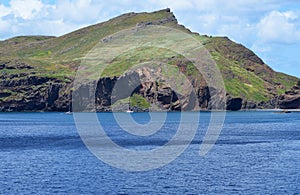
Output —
(22, 92)
(10, 65)
(149, 83)
(234, 104)
(291, 99)
(290, 102)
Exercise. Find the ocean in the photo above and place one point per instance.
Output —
(256, 153)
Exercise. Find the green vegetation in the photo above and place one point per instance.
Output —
(46, 53)
(135, 100)
(245, 75)
(134, 58)
(139, 101)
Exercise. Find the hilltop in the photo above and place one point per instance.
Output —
(37, 72)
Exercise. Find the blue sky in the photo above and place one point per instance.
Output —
(271, 28)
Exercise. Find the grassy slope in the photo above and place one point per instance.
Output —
(60, 56)
(246, 75)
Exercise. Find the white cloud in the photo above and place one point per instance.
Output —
(278, 27)
(26, 9)
(4, 26)
(33, 17)
(77, 11)
(4, 11)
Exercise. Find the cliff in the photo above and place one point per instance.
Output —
(37, 73)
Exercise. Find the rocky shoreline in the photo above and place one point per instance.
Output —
(36, 93)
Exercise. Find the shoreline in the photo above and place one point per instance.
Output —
(246, 110)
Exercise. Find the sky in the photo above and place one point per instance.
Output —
(271, 28)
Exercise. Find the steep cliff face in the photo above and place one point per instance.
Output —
(31, 92)
(37, 74)
(158, 91)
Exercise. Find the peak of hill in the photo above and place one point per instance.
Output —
(37, 71)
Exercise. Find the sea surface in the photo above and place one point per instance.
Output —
(256, 153)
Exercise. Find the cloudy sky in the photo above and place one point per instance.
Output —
(271, 28)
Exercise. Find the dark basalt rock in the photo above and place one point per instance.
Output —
(291, 99)
(28, 92)
(234, 104)
(290, 102)
(150, 84)
(13, 65)
(24, 92)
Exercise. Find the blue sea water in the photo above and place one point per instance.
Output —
(256, 153)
